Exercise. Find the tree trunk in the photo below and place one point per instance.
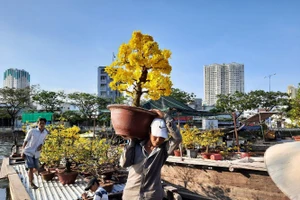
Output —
(136, 100)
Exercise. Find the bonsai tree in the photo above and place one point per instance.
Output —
(141, 67)
(59, 146)
(96, 155)
(189, 136)
(209, 137)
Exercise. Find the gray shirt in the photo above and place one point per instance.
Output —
(144, 180)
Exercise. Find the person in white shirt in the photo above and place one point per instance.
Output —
(94, 186)
(32, 146)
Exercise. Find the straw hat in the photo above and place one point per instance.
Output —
(283, 165)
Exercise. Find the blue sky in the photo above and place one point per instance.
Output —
(61, 43)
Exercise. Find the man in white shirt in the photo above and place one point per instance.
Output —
(94, 186)
(32, 148)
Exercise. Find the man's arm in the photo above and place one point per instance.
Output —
(127, 157)
(176, 138)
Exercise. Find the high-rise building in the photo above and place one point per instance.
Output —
(16, 78)
(222, 79)
(103, 88)
(292, 91)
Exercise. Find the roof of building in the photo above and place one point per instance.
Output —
(169, 103)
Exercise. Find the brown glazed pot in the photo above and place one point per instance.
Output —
(47, 176)
(67, 177)
(131, 122)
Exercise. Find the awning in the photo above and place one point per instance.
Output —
(33, 117)
(259, 117)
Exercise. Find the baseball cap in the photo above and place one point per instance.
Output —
(91, 183)
(282, 163)
(159, 128)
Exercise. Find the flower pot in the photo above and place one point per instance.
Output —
(131, 122)
(244, 154)
(205, 155)
(67, 177)
(177, 153)
(192, 153)
(108, 174)
(216, 156)
(47, 176)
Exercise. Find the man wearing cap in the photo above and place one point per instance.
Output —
(146, 158)
(94, 186)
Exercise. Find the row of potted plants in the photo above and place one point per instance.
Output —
(66, 154)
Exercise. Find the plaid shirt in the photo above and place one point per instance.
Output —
(144, 178)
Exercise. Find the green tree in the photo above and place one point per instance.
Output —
(88, 104)
(239, 102)
(72, 116)
(14, 100)
(49, 101)
(182, 96)
(141, 68)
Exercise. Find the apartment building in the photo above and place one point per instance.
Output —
(222, 79)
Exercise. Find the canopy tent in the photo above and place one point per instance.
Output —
(33, 117)
(169, 103)
(259, 117)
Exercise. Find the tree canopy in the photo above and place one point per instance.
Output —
(14, 100)
(49, 101)
(88, 104)
(253, 100)
(141, 67)
(182, 96)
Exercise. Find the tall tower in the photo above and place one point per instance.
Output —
(103, 88)
(292, 91)
(222, 79)
(15, 78)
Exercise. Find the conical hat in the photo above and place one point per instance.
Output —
(283, 165)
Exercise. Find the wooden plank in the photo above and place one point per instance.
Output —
(5, 164)
(260, 166)
(17, 189)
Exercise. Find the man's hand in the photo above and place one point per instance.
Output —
(84, 196)
(23, 155)
(158, 112)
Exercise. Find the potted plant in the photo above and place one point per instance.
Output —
(100, 160)
(59, 148)
(208, 138)
(190, 140)
(141, 69)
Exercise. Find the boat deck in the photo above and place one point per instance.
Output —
(51, 190)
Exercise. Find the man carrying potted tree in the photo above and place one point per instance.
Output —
(146, 158)
(32, 147)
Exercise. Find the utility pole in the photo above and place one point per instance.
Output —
(269, 76)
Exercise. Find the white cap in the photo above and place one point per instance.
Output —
(159, 128)
(282, 162)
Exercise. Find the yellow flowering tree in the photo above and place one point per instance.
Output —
(141, 67)
(209, 137)
(190, 136)
(60, 144)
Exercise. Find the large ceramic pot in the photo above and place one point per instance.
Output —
(131, 122)
(67, 177)
(47, 176)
